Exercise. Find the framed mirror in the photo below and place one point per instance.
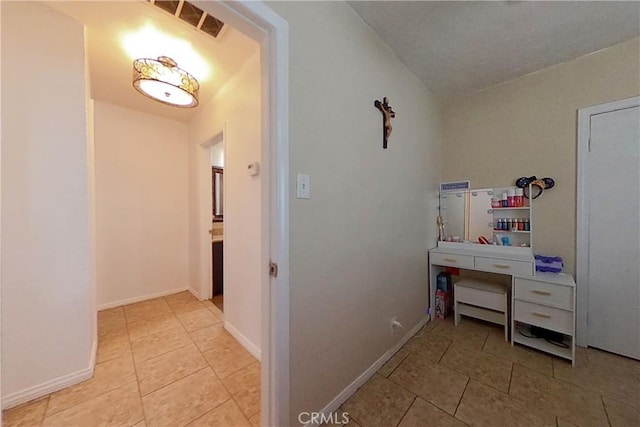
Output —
(217, 181)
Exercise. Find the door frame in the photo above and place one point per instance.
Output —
(203, 164)
(582, 210)
(259, 22)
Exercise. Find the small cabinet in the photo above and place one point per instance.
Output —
(544, 313)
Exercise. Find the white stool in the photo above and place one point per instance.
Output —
(482, 300)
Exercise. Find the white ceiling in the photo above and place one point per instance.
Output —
(110, 68)
(457, 48)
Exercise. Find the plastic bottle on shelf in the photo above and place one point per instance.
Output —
(521, 225)
(519, 197)
(496, 202)
(505, 202)
(511, 198)
(527, 224)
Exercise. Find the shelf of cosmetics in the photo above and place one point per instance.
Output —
(512, 198)
(513, 225)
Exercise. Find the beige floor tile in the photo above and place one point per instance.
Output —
(142, 423)
(198, 319)
(107, 376)
(159, 343)
(226, 415)
(146, 309)
(185, 400)
(560, 422)
(393, 363)
(379, 402)
(621, 415)
(244, 386)
(26, 415)
(211, 337)
(565, 400)
(120, 407)
(497, 346)
(423, 413)
(430, 346)
(484, 406)
(112, 321)
(469, 332)
(185, 306)
(484, 367)
(162, 370)
(112, 345)
(434, 383)
(180, 297)
(143, 326)
(615, 377)
(255, 420)
(228, 359)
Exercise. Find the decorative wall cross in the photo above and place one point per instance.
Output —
(387, 115)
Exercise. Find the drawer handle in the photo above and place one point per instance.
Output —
(450, 260)
(539, 292)
(545, 316)
(505, 267)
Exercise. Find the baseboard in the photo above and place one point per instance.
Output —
(195, 294)
(141, 298)
(368, 373)
(244, 341)
(32, 393)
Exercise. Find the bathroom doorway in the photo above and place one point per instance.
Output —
(217, 222)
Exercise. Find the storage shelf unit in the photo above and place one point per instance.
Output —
(517, 238)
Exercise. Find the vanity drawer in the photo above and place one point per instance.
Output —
(543, 316)
(504, 266)
(462, 261)
(545, 293)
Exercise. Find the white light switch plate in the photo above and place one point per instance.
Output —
(303, 189)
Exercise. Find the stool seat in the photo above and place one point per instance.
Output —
(482, 300)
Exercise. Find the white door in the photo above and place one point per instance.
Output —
(612, 184)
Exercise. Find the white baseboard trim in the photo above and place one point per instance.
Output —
(32, 393)
(141, 298)
(196, 294)
(243, 340)
(368, 373)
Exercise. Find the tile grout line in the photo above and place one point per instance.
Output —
(461, 397)
(606, 413)
(407, 411)
(135, 369)
(510, 378)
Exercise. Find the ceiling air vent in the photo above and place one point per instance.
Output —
(192, 15)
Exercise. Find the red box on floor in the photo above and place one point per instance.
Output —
(443, 304)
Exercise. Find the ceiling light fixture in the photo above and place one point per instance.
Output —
(164, 81)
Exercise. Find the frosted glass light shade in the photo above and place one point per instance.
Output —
(164, 81)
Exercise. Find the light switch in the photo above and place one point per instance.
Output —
(303, 189)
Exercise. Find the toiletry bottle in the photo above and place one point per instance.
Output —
(504, 199)
(521, 225)
(527, 225)
(519, 197)
(511, 198)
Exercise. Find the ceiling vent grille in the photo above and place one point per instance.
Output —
(192, 15)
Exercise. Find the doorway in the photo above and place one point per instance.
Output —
(608, 223)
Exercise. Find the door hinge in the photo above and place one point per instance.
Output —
(273, 269)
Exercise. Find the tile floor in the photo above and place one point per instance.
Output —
(162, 362)
(470, 376)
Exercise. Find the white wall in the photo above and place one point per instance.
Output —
(359, 245)
(527, 126)
(141, 205)
(217, 155)
(48, 318)
(237, 108)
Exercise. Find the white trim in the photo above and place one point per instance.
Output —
(259, 22)
(141, 298)
(34, 392)
(582, 210)
(203, 168)
(196, 294)
(243, 340)
(368, 373)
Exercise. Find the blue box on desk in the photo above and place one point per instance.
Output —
(549, 264)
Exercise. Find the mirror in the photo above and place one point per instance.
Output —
(217, 181)
(466, 214)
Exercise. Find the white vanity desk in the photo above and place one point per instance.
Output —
(545, 300)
